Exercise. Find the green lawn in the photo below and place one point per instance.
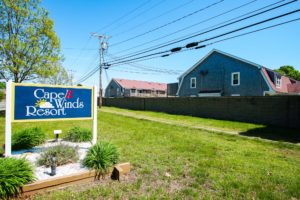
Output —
(202, 165)
(241, 128)
(189, 120)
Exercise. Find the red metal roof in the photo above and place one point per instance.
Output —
(294, 88)
(287, 85)
(133, 84)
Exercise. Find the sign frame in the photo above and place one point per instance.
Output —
(48, 86)
(10, 104)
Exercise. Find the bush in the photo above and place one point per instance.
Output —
(78, 134)
(1, 95)
(2, 85)
(14, 174)
(101, 157)
(64, 154)
(1, 151)
(28, 138)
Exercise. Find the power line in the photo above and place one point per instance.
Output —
(124, 16)
(136, 72)
(154, 18)
(255, 31)
(81, 51)
(210, 30)
(169, 23)
(136, 16)
(205, 45)
(214, 37)
(188, 27)
(91, 63)
(148, 68)
(92, 72)
(225, 39)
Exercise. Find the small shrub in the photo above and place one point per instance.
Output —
(1, 151)
(2, 85)
(28, 138)
(1, 95)
(78, 134)
(101, 157)
(64, 154)
(14, 173)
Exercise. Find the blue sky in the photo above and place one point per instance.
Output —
(75, 20)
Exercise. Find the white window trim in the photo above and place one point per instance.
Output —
(277, 80)
(191, 81)
(232, 74)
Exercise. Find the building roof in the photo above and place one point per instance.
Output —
(141, 85)
(220, 52)
(288, 85)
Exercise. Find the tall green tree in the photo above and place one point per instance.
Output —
(60, 77)
(289, 71)
(29, 47)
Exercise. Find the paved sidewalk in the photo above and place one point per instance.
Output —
(170, 122)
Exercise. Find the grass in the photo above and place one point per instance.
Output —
(241, 128)
(199, 164)
(190, 120)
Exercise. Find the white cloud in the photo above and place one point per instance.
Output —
(46, 105)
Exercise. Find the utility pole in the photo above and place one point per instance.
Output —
(103, 46)
(71, 75)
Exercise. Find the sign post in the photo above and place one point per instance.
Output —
(8, 119)
(34, 102)
(95, 116)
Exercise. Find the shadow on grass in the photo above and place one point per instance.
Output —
(274, 133)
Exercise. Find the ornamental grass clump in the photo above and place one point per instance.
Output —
(101, 157)
(64, 154)
(78, 134)
(14, 173)
(28, 138)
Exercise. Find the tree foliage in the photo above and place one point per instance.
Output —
(59, 76)
(289, 71)
(29, 47)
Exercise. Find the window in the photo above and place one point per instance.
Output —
(193, 82)
(132, 90)
(235, 78)
(278, 81)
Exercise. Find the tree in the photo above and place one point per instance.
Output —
(289, 71)
(29, 47)
(59, 77)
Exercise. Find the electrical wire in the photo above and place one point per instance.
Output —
(222, 40)
(188, 27)
(148, 68)
(169, 23)
(233, 37)
(136, 16)
(217, 36)
(81, 51)
(154, 18)
(136, 72)
(124, 16)
(210, 30)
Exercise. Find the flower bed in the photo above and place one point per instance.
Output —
(42, 172)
